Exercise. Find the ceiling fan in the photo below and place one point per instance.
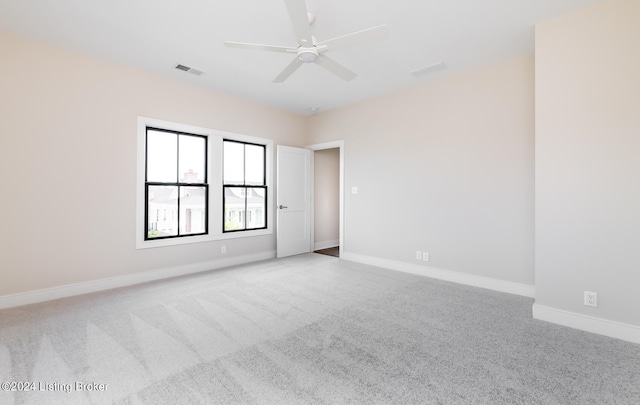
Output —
(310, 51)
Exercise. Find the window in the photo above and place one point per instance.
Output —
(245, 187)
(176, 189)
(181, 184)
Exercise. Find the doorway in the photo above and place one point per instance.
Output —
(327, 198)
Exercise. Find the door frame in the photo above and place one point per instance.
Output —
(323, 146)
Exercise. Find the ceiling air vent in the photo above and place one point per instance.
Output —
(435, 67)
(189, 70)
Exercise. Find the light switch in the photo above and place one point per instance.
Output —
(354, 190)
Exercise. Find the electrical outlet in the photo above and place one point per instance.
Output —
(223, 249)
(425, 256)
(418, 255)
(591, 299)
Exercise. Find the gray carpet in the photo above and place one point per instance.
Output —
(310, 329)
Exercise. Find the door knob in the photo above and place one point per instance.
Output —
(282, 206)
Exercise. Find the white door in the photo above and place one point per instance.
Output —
(293, 201)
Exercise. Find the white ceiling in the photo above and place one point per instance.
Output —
(155, 35)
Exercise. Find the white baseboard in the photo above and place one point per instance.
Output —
(447, 275)
(32, 297)
(618, 330)
(326, 244)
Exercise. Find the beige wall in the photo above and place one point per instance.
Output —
(588, 161)
(68, 159)
(326, 196)
(444, 167)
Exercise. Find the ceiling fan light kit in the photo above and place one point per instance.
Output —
(308, 50)
(307, 55)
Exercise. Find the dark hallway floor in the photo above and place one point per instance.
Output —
(334, 251)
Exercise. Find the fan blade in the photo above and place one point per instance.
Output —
(259, 47)
(335, 68)
(300, 19)
(356, 38)
(288, 71)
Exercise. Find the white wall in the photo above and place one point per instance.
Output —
(445, 167)
(68, 158)
(326, 197)
(588, 162)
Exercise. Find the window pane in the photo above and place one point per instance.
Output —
(192, 210)
(233, 163)
(162, 211)
(254, 165)
(162, 156)
(256, 208)
(234, 203)
(192, 157)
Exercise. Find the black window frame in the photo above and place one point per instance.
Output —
(177, 184)
(264, 187)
